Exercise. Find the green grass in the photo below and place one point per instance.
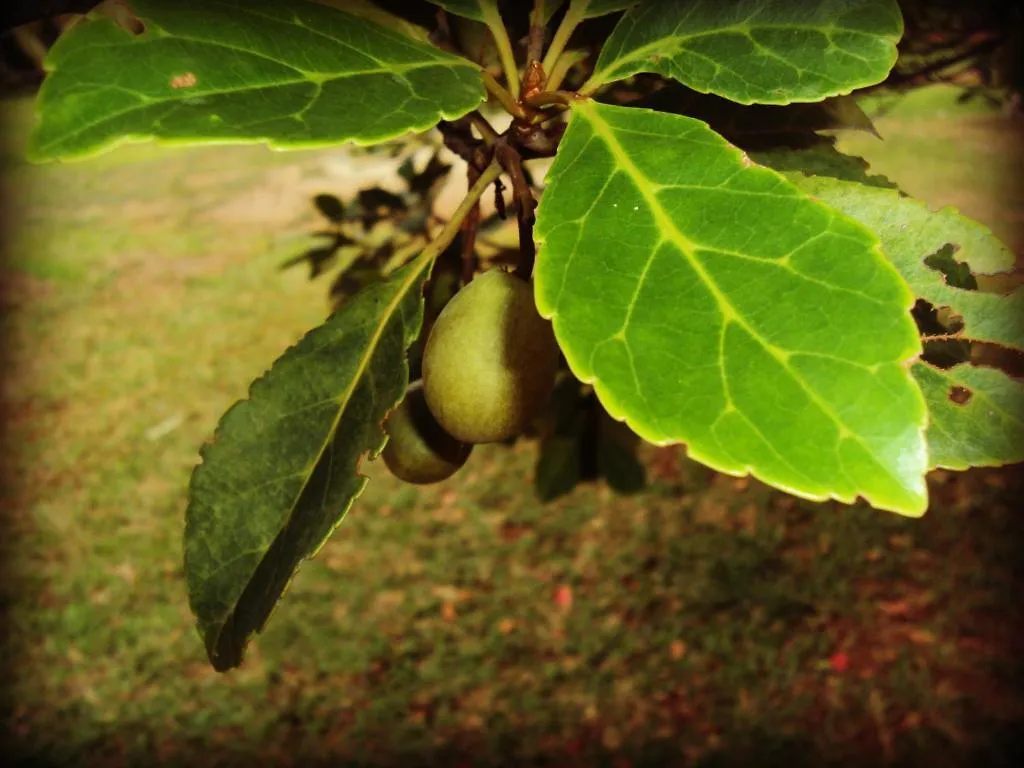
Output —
(142, 295)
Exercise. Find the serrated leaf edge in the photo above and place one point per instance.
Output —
(372, 452)
(616, 410)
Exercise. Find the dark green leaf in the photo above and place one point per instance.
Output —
(296, 74)
(711, 302)
(760, 125)
(820, 159)
(595, 8)
(558, 467)
(283, 467)
(617, 460)
(765, 51)
(478, 10)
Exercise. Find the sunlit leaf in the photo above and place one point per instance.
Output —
(711, 302)
(911, 232)
(764, 51)
(296, 74)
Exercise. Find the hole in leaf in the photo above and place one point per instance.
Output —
(1010, 361)
(957, 273)
(960, 395)
(945, 352)
(935, 321)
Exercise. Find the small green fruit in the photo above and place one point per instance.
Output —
(418, 450)
(490, 360)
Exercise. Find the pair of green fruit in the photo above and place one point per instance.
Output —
(489, 366)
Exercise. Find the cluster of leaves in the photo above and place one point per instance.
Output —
(717, 274)
(363, 240)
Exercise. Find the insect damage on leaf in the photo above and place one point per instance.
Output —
(186, 80)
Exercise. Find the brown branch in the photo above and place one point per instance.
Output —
(512, 163)
(499, 200)
(484, 126)
(535, 44)
(460, 139)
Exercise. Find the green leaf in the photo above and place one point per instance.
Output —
(617, 460)
(595, 8)
(766, 51)
(760, 125)
(483, 10)
(367, 10)
(478, 10)
(283, 467)
(911, 232)
(987, 430)
(558, 467)
(710, 302)
(296, 74)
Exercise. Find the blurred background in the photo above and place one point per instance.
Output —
(705, 620)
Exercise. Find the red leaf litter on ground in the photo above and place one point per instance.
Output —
(839, 661)
(563, 596)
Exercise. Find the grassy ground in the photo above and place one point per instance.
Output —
(707, 621)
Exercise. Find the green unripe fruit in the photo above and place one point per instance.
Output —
(418, 450)
(490, 360)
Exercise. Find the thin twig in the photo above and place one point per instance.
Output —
(481, 123)
(552, 111)
(533, 142)
(499, 199)
(459, 139)
(451, 228)
(508, 101)
(535, 45)
(512, 163)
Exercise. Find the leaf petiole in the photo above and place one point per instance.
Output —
(508, 101)
(492, 18)
(454, 224)
(565, 62)
(574, 14)
(549, 98)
